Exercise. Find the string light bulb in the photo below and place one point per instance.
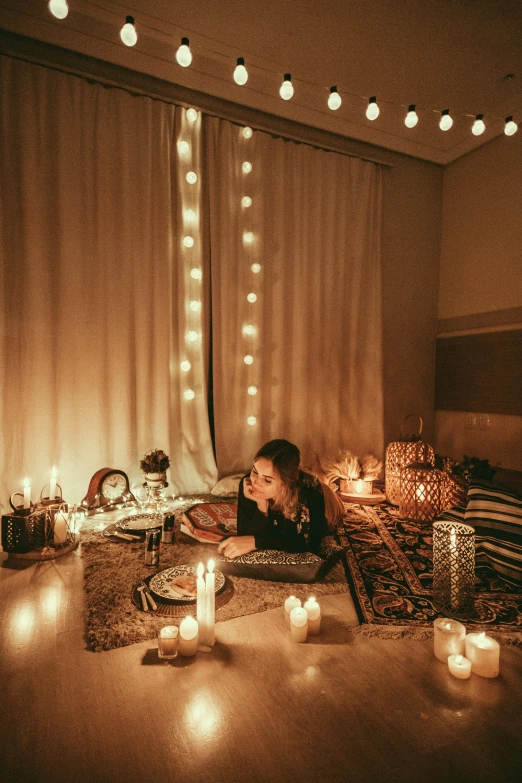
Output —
(510, 127)
(189, 394)
(248, 237)
(249, 330)
(445, 120)
(192, 115)
(372, 110)
(188, 241)
(184, 55)
(196, 274)
(252, 298)
(59, 8)
(246, 202)
(191, 177)
(195, 305)
(256, 268)
(247, 132)
(248, 359)
(411, 118)
(334, 99)
(286, 90)
(185, 365)
(478, 126)
(128, 33)
(192, 336)
(251, 420)
(246, 168)
(240, 72)
(189, 215)
(252, 390)
(183, 147)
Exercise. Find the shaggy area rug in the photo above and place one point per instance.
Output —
(390, 560)
(111, 570)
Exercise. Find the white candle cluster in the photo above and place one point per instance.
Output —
(303, 620)
(465, 653)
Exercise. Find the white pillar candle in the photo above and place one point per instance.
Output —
(201, 605)
(168, 641)
(52, 484)
(60, 527)
(27, 493)
(210, 583)
(313, 611)
(459, 666)
(299, 624)
(484, 654)
(448, 638)
(188, 636)
(291, 603)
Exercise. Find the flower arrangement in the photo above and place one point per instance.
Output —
(347, 467)
(155, 461)
(466, 468)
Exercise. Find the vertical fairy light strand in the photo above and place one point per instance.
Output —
(188, 152)
(248, 239)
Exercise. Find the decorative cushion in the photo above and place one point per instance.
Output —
(496, 515)
(228, 485)
(277, 566)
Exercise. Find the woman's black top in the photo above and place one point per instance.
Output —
(275, 531)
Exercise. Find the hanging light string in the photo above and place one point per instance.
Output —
(332, 95)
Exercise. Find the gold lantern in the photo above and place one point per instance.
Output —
(409, 448)
(421, 491)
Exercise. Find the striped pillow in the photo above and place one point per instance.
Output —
(496, 515)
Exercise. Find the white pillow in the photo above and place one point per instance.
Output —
(228, 485)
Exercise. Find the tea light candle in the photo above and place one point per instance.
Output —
(168, 642)
(484, 654)
(359, 486)
(201, 604)
(291, 603)
(188, 636)
(27, 493)
(448, 638)
(459, 666)
(299, 624)
(61, 519)
(52, 484)
(313, 611)
(210, 585)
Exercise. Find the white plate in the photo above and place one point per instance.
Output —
(160, 583)
(139, 522)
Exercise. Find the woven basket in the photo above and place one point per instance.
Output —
(455, 491)
(410, 448)
(421, 490)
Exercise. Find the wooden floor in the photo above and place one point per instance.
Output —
(259, 708)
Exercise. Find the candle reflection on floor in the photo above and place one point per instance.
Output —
(202, 717)
(23, 623)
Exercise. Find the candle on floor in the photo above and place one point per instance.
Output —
(210, 589)
(313, 611)
(454, 574)
(459, 666)
(61, 519)
(484, 654)
(52, 484)
(27, 493)
(168, 642)
(291, 603)
(448, 638)
(201, 605)
(299, 624)
(188, 636)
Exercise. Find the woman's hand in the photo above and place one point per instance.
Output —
(250, 493)
(237, 545)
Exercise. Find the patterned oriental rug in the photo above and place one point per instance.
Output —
(390, 563)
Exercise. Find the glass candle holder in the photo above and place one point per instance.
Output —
(168, 642)
(454, 568)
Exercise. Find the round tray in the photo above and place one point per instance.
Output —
(139, 523)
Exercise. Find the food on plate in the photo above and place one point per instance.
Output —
(185, 585)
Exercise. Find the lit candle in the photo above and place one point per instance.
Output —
(359, 486)
(459, 666)
(188, 636)
(290, 604)
(299, 624)
(61, 519)
(448, 638)
(210, 589)
(27, 493)
(313, 611)
(484, 654)
(168, 642)
(52, 484)
(201, 605)
(420, 492)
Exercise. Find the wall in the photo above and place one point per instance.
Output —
(480, 292)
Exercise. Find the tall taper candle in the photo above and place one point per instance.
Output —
(52, 484)
(210, 585)
(201, 605)
(27, 493)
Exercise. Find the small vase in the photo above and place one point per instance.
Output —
(155, 479)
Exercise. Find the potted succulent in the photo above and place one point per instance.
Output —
(458, 475)
(154, 465)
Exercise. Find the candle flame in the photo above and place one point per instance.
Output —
(359, 486)
(447, 626)
(201, 569)
(26, 483)
(458, 659)
(481, 639)
(210, 566)
(420, 492)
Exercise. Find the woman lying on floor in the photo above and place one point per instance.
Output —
(280, 506)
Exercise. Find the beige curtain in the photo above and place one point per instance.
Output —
(95, 285)
(314, 330)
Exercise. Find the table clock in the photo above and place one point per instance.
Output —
(108, 490)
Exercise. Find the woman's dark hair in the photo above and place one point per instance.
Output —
(286, 459)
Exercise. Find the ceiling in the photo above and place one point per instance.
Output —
(437, 54)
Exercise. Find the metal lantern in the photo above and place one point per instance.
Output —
(409, 448)
(453, 568)
(421, 491)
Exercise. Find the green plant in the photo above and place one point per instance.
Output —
(155, 461)
(467, 467)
